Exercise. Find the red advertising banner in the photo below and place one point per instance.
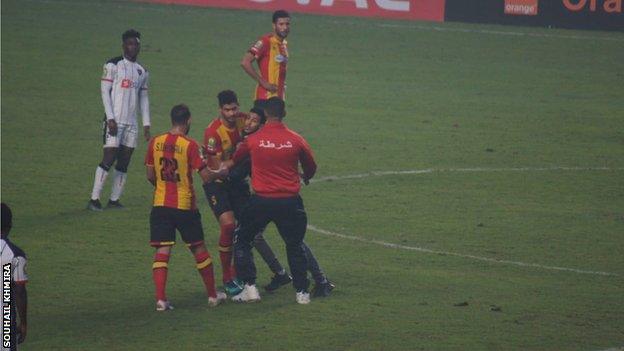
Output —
(428, 10)
(521, 7)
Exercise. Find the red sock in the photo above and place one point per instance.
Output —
(204, 267)
(159, 274)
(225, 251)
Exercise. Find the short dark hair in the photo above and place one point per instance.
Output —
(7, 217)
(259, 103)
(130, 33)
(227, 97)
(280, 14)
(259, 112)
(180, 114)
(275, 107)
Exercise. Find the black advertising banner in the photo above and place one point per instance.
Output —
(577, 14)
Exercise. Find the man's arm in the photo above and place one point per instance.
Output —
(145, 110)
(247, 65)
(212, 150)
(306, 157)
(150, 174)
(106, 86)
(242, 153)
(195, 160)
(241, 171)
(21, 302)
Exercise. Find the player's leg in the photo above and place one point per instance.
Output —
(239, 199)
(162, 237)
(111, 144)
(124, 155)
(101, 173)
(291, 221)
(160, 268)
(280, 276)
(322, 286)
(253, 220)
(128, 140)
(219, 202)
(191, 229)
(263, 247)
(205, 269)
(227, 225)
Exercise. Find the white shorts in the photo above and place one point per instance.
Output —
(126, 135)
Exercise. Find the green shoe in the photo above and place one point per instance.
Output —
(233, 288)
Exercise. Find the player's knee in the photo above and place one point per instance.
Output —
(227, 230)
(295, 245)
(121, 167)
(197, 246)
(122, 164)
(105, 166)
(123, 157)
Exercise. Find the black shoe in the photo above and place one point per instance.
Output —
(323, 289)
(114, 205)
(94, 205)
(277, 281)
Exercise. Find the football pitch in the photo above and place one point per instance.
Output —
(470, 192)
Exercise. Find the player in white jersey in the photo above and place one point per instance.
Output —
(124, 90)
(13, 262)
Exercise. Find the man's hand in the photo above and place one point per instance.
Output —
(112, 127)
(268, 86)
(146, 133)
(21, 330)
(209, 175)
(305, 180)
(221, 172)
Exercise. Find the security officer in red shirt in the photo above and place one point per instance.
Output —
(275, 153)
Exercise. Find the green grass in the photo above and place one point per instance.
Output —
(368, 97)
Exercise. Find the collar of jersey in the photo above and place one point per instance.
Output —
(275, 124)
(275, 37)
(225, 125)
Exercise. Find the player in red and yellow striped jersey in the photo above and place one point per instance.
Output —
(220, 140)
(171, 159)
(271, 53)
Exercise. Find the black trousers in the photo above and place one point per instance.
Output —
(291, 221)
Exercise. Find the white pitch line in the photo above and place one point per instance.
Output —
(461, 170)
(486, 31)
(448, 253)
(474, 169)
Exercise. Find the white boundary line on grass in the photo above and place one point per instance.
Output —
(461, 170)
(487, 31)
(448, 253)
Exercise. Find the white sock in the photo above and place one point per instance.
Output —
(119, 182)
(98, 182)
